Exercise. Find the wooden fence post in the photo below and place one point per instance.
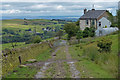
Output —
(19, 59)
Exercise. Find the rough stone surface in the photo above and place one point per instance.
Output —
(31, 60)
(22, 66)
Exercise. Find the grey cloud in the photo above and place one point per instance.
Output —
(70, 8)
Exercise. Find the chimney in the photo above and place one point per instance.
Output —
(85, 10)
(93, 8)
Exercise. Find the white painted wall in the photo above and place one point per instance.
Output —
(104, 22)
(105, 31)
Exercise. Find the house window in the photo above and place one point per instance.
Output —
(86, 22)
(99, 23)
(93, 22)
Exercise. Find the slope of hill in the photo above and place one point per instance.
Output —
(72, 61)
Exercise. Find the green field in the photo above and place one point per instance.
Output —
(17, 24)
(18, 45)
(16, 28)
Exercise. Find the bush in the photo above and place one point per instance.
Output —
(91, 52)
(86, 32)
(104, 45)
(114, 25)
(105, 26)
(71, 29)
(89, 32)
(92, 31)
(36, 39)
(79, 35)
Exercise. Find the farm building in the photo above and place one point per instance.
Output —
(96, 18)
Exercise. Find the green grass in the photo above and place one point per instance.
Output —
(51, 71)
(89, 69)
(0, 67)
(25, 72)
(18, 45)
(44, 56)
(17, 24)
(60, 54)
(31, 52)
(90, 58)
(67, 70)
(76, 51)
(29, 72)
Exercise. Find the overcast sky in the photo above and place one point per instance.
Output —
(60, 0)
(54, 7)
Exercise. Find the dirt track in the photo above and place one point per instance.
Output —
(60, 71)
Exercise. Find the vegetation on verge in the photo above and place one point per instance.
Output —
(88, 52)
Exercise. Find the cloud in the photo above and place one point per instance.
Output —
(39, 6)
(10, 11)
(60, 7)
(54, 8)
(98, 6)
(60, 0)
(13, 11)
(110, 9)
(7, 5)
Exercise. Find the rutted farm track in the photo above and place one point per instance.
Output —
(61, 65)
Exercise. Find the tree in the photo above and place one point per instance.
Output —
(86, 32)
(36, 39)
(111, 17)
(92, 31)
(59, 34)
(118, 16)
(79, 35)
(77, 23)
(71, 29)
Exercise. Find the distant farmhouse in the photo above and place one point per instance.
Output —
(96, 18)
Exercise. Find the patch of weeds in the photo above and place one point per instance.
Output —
(91, 52)
(67, 69)
(61, 54)
(25, 72)
(44, 56)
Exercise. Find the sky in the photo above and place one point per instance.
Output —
(59, 0)
(54, 7)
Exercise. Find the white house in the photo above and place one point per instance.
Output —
(104, 22)
(96, 18)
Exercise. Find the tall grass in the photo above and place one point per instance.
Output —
(108, 61)
(11, 60)
(91, 52)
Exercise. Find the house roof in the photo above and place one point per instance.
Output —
(92, 14)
